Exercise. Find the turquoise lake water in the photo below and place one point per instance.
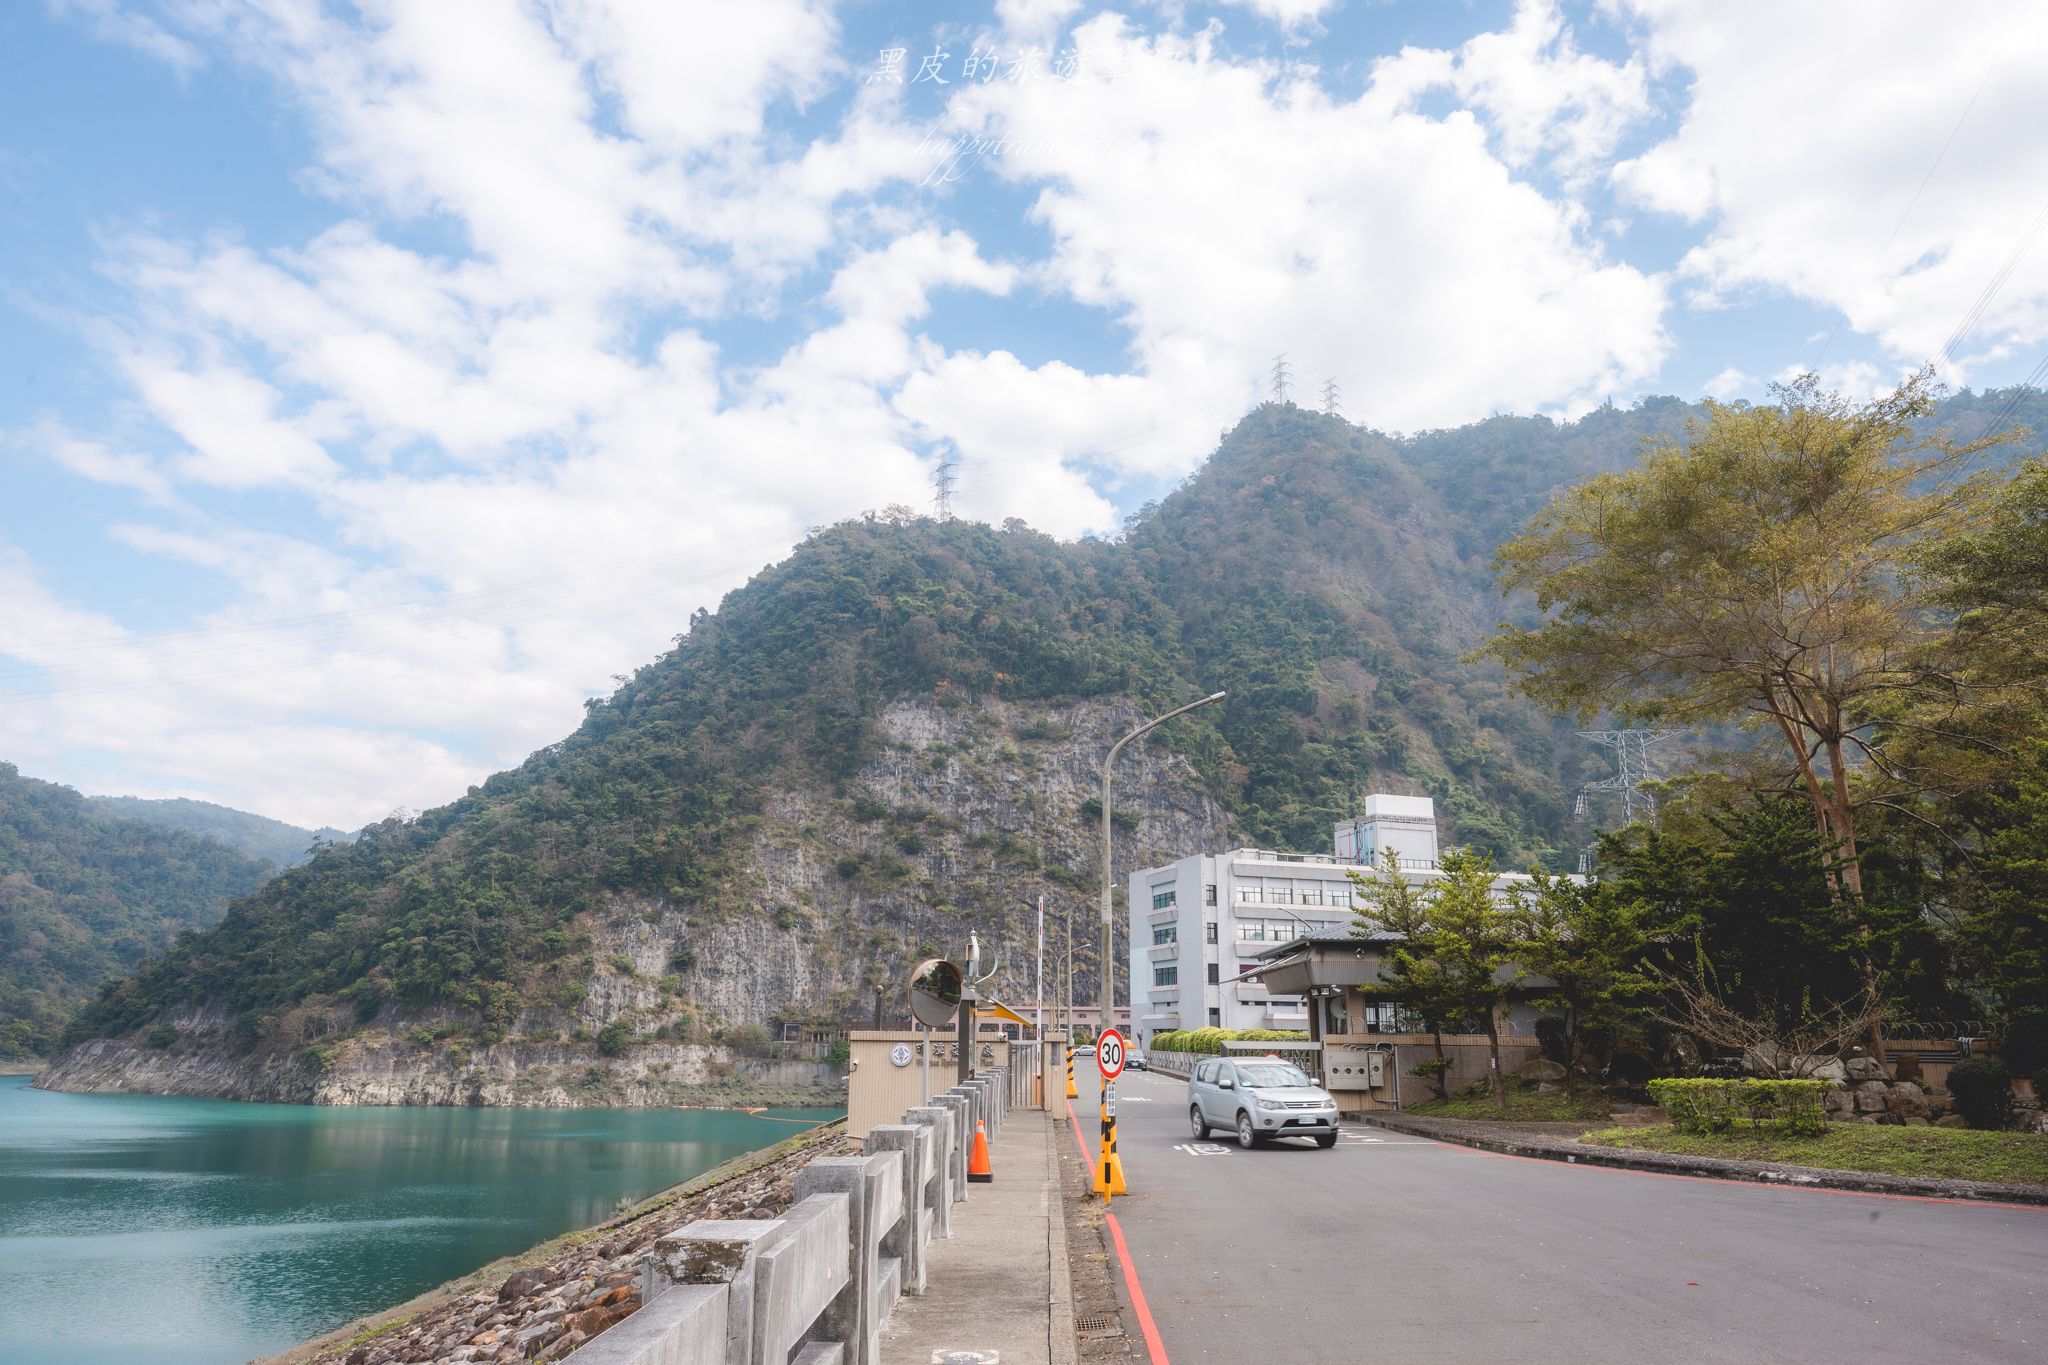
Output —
(145, 1229)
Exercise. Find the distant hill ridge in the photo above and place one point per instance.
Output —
(891, 738)
(85, 896)
(271, 841)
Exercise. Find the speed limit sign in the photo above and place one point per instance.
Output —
(1109, 1054)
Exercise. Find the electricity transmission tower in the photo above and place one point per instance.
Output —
(1281, 376)
(942, 488)
(1632, 771)
(1331, 394)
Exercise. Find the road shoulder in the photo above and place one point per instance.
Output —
(1510, 1142)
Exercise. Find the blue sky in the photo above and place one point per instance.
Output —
(376, 381)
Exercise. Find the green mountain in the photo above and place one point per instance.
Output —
(885, 741)
(266, 840)
(84, 898)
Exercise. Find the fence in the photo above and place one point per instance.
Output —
(815, 1286)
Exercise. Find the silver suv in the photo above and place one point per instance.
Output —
(1259, 1098)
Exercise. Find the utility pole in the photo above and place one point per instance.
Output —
(1038, 986)
(1281, 376)
(1108, 942)
(1331, 407)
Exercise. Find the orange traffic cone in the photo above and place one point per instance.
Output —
(978, 1171)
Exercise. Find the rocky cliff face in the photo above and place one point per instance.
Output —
(963, 817)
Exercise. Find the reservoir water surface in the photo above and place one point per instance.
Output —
(147, 1229)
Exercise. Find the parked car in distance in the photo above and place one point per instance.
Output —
(1134, 1059)
(1257, 1099)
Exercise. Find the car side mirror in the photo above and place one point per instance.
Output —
(1226, 1084)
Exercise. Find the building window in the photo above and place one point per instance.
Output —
(1215, 974)
(1166, 933)
(1209, 932)
(1215, 1017)
(1166, 976)
(1208, 895)
(1162, 900)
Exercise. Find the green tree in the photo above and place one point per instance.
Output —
(1759, 573)
(1461, 947)
(1592, 945)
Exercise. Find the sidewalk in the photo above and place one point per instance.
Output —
(999, 1284)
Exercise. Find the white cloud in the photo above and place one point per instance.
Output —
(514, 460)
(1804, 152)
(1229, 212)
(1287, 13)
(1729, 384)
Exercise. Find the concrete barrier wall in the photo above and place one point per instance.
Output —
(815, 1286)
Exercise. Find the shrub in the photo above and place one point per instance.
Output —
(1431, 1067)
(1982, 1088)
(623, 965)
(683, 959)
(163, 1035)
(613, 1037)
(2024, 1047)
(1703, 1104)
(840, 1053)
(1554, 1040)
(848, 867)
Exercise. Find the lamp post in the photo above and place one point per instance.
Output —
(1108, 946)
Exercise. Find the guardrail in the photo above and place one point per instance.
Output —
(815, 1286)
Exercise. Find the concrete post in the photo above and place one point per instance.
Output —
(874, 1184)
(723, 1251)
(907, 1239)
(938, 1193)
(961, 1108)
(799, 1280)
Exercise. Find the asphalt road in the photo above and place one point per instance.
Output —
(1395, 1248)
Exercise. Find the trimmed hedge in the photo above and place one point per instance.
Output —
(1709, 1105)
(1211, 1040)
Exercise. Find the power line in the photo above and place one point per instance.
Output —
(1633, 770)
(1281, 376)
(1949, 141)
(1331, 394)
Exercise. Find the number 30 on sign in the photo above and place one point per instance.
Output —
(1109, 1054)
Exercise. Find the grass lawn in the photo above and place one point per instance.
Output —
(1949, 1153)
(1524, 1106)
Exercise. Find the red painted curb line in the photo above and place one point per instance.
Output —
(1154, 1347)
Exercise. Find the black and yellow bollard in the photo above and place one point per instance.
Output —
(1109, 1167)
(1071, 1092)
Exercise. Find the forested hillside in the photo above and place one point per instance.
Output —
(84, 898)
(889, 738)
(266, 840)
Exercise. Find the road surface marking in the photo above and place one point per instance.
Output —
(1202, 1148)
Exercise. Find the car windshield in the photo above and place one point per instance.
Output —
(1271, 1075)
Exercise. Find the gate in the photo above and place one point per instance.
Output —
(1304, 1054)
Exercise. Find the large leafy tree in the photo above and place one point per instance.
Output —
(1758, 573)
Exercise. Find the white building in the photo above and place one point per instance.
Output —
(1197, 924)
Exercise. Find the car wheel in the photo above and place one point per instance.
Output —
(1195, 1122)
(1247, 1136)
(1326, 1140)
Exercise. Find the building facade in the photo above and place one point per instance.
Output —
(1198, 925)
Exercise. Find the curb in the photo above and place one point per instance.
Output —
(1709, 1167)
(1062, 1337)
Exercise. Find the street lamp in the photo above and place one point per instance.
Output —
(1108, 947)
